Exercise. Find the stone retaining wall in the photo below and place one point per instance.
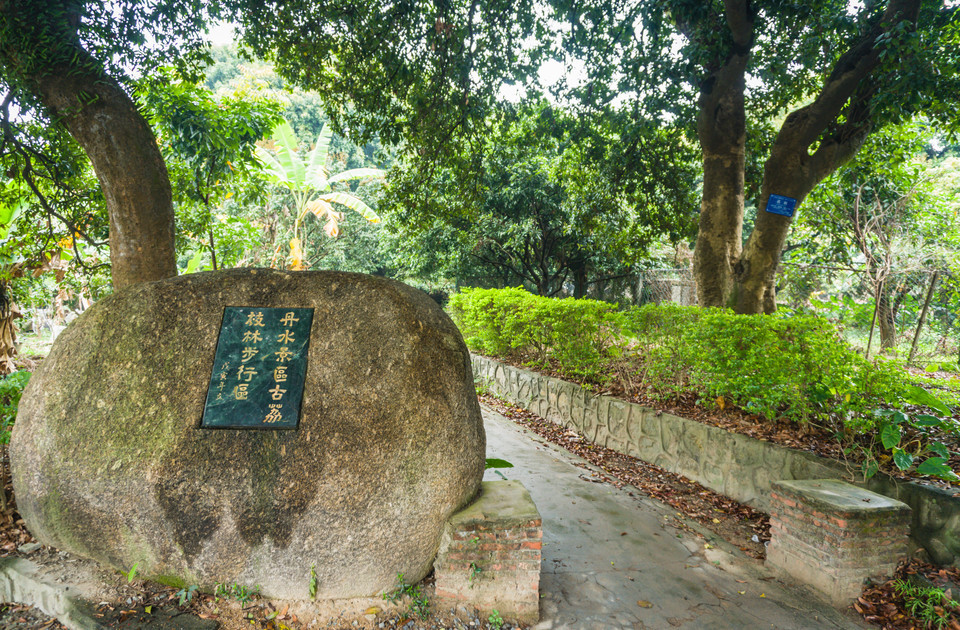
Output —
(735, 465)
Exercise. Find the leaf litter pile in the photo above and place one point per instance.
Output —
(889, 607)
(880, 604)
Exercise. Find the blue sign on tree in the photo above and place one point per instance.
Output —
(784, 206)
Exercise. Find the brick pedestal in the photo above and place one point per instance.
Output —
(489, 557)
(832, 535)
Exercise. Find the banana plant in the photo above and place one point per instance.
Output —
(311, 185)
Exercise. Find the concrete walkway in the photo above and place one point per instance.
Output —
(611, 560)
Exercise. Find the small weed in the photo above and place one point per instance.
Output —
(131, 575)
(243, 594)
(474, 572)
(482, 385)
(313, 581)
(926, 604)
(419, 604)
(186, 594)
(495, 620)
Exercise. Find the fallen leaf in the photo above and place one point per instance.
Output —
(644, 604)
(373, 610)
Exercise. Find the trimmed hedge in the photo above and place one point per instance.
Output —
(580, 335)
(793, 366)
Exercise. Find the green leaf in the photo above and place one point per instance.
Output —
(926, 420)
(493, 462)
(890, 436)
(870, 468)
(939, 449)
(932, 367)
(920, 396)
(898, 417)
(274, 168)
(291, 163)
(8, 217)
(194, 263)
(316, 176)
(345, 199)
(357, 174)
(937, 467)
(902, 459)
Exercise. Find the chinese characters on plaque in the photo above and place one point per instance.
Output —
(259, 369)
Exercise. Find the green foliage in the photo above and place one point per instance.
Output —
(927, 604)
(578, 334)
(243, 594)
(308, 180)
(185, 595)
(11, 389)
(910, 441)
(794, 367)
(495, 620)
(419, 604)
(540, 199)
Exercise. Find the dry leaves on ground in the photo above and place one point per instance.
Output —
(736, 523)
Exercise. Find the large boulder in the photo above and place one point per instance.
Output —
(109, 460)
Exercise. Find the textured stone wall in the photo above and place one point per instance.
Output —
(735, 465)
(490, 554)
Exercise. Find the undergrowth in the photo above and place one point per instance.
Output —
(11, 389)
(787, 366)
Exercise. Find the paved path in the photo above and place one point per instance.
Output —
(604, 551)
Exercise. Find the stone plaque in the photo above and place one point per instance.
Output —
(259, 369)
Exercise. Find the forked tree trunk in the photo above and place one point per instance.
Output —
(106, 123)
(837, 122)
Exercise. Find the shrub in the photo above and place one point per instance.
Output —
(788, 365)
(11, 388)
(580, 335)
(795, 365)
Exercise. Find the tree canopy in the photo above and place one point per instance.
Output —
(838, 71)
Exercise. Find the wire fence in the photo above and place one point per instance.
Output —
(914, 315)
(911, 314)
(648, 286)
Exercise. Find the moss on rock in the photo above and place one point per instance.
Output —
(109, 460)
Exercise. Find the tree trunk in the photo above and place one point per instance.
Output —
(886, 322)
(111, 130)
(837, 122)
(580, 281)
(106, 123)
(9, 312)
(721, 128)
(923, 315)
